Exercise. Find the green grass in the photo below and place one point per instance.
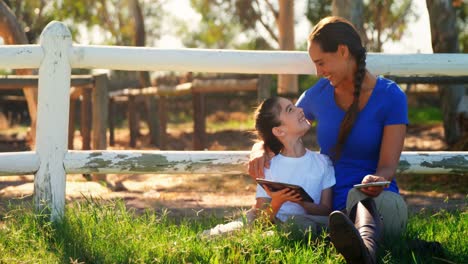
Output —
(425, 115)
(106, 232)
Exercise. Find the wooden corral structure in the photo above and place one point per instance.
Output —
(91, 90)
(198, 88)
(55, 56)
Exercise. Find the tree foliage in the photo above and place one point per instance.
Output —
(113, 19)
(234, 24)
(214, 30)
(317, 9)
(461, 8)
(383, 19)
(386, 20)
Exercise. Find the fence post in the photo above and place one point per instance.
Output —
(263, 87)
(71, 123)
(100, 111)
(162, 115)
(133, 120)
(199, 120)
(52, 120)
(86, 116)
(111, 121)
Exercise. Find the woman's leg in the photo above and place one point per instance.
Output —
(391, 207)
(356, 236)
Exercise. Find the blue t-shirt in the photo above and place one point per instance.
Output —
(387, 105)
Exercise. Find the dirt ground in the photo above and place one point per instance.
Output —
(224, 196)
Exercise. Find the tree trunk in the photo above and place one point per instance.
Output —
(444, 34)
(353, 10)
(12, 33)
(143, 76)
(287, 83)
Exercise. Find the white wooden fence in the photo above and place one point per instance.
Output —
(55, 56)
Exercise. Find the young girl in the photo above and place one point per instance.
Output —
(281, 125)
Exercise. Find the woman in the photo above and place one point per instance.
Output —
(361, 126)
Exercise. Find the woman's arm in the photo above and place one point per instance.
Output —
(392, 145)
(259, 160)
(325, 206)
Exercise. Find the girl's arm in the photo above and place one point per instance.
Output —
(390, 151)
(325, 206)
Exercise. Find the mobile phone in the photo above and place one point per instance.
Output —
(371, 184)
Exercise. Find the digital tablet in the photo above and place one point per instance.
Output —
(276, 186)
(370, 184)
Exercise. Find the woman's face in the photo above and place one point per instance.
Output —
(330, 65)
(292, 118)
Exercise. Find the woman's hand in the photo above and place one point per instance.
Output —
(373, 191)
(259, 159)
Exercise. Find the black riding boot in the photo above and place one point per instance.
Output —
(356, 237)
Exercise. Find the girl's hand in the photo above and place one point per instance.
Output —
(373, 191)
(259, 159)
(284, 195)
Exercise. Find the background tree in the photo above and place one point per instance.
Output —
(386, 20)
(214, 30)
(13, 32)
(353, 11)
(444, 34)
(377, 21)
(461, 8)
(317, 9)
(259, 24)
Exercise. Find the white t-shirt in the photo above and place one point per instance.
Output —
(313, 172)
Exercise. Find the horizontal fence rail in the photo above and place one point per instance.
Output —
(255, 62)
(18, 163)
(20, 56)
(160, 162)
(11, 82)
(230, 162)
(202, 162)
(228, 61)
(434, 162)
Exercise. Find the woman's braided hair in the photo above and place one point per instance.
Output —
(329, 33)
(266, 118)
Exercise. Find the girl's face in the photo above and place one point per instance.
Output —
(292, 118)
(330, 65)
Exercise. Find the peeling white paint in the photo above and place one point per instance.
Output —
(434, 162)
(229, 162)
(158, 162)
